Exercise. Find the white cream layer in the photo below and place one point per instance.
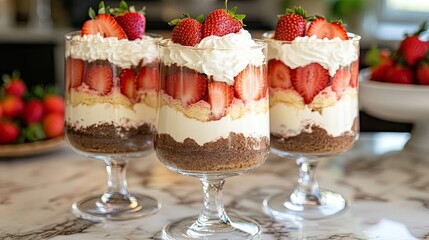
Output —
(288, 120)
(179, 127)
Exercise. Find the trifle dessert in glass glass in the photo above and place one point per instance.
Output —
(313, 77)
(112, 76)
(212, 119)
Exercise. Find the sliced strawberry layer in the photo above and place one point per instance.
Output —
(251, 83)
(354, 82)
(74, 72)
(279, 74)
(341, 81)
(220, 96)
(148, 78)
(127, 83)
(324, 29)
(308, 81)
(104, 24)
(188, 87)
(99, 77)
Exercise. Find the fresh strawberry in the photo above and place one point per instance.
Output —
(400, 73)
(378, 72)
(133, 22)
(74, 72)
(308, 81)
(291, 25)
(103, 23)
(99, 77)
(220, 96)
(9, 132)
(412, 48)
(354, 81)
(12, 106)
(1, 110)
(324, 29)
(341, 81)
(251, 83)
(14, 85)
(33, 111)
(187, 87)
(53, 125)
(127, 83)
(148, 78)
(422, 72)
(53, 103)
(279, 74)
(222, 21)
(187, 31)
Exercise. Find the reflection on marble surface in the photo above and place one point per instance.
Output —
(388, 193)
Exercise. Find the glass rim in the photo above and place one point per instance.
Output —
(260, 44)
(268, 36)
(155, 37)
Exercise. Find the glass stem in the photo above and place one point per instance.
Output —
(213, 213)
(307, 192)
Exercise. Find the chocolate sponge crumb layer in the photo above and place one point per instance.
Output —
(233, 154)
(110, 139)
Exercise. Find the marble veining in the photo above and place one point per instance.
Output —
(387, 189)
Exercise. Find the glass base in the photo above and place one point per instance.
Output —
(280, 207)
(236, 228)
(91, 208)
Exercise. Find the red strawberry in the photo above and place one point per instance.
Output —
(399, 73)
(187, 31)
(220, 96)
(99, 77)
(324, 29)
(308, 81)
(189, 87)
(148, 78)
(251, 83)
(9, 132)
(12, 106)
(14, 85)
(412, 48)
(53, 103)
(103, 24)
(291, 25)
(1, 110)
(422, 72)
(221, 22)
(53, 125)
(133, 22)
(378, 72)
(33, 111)
(341, 81)
(127, 83)
(354, 81)
(74, 72)
(279, 74)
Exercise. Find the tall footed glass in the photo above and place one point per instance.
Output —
(110, 96)
(313, 116)
(212, 123)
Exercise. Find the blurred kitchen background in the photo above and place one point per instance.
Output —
(31, 31)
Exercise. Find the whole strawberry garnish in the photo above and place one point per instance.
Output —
(102, 24)
(14, 85)
(325, 29)
(187, 31)
(412, 48)
(133, 22)
(223, 21)
(422, 72)
(308, 81)
(291, 25)
(9, 132)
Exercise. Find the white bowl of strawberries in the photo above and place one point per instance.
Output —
(396, 87)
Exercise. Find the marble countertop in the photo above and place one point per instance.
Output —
(388, 190)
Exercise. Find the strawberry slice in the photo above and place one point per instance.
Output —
(220, 96)
(279, 74)
(74, 72)
(104, 24)
(148, 78)
(127, 83)
(341, 81)
(251, 83)
(308, 81)
(354, 82)
(189, 87)
(99, 77)
(324, 29)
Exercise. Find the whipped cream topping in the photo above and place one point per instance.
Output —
(329, 53)
(220, 57)
(123, 53)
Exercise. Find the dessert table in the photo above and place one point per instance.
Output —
(387, 190)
